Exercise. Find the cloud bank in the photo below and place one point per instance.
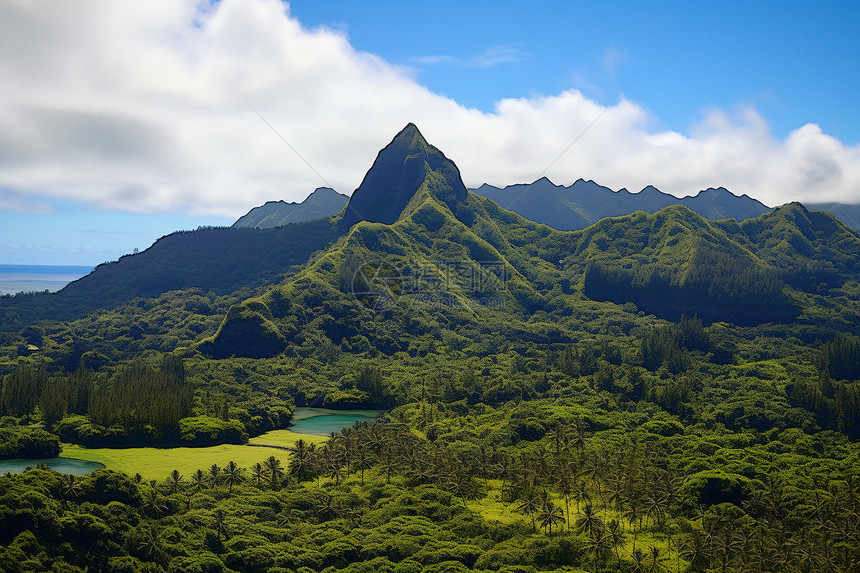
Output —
(153, 107)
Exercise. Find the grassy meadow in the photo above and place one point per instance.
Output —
(157, 463)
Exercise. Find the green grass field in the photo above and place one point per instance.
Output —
(157, 463)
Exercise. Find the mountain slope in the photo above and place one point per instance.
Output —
(219, 260)
(450, 259)
(442, 259)
(455, 264)
(323, 202)
(586, 202)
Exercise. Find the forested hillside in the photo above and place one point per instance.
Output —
(220, 260)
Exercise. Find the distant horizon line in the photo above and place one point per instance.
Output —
(9, 268)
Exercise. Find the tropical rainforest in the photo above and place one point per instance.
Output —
(655, 392)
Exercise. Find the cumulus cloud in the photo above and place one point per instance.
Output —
(153, 107)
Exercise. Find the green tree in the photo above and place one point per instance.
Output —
(274, 470)
(233, 475)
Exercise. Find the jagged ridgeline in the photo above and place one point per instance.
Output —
(413, 234)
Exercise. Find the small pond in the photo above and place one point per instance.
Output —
(323, 421)
(62, 465)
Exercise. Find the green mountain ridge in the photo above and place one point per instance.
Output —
(670, 263)
(451, 253)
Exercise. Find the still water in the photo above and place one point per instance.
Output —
(322, 421)
(62, 465)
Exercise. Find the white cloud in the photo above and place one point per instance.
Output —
(497, 55)
(151, 107)
(489, 58)
(612, 58)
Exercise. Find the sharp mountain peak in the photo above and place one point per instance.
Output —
(399, 171)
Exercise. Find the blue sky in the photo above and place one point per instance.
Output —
(795, 62)
(120, 122)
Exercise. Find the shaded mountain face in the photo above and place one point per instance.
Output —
(585, 202)
(323, 202)
(400, 169)
(848, 214)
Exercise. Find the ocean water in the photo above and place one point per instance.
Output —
(38, 278)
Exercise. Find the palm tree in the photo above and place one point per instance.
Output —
(258, 473)
(150, 543)
(334, 471)
(389, 465)
(485, 463)
(654, 508)
(300, 459)
(274, 469)
(656, 559)
(362, 460)
(564, 486)
(71, 486)
(638, 561)
(505, 469)
(599, 545)
(694, 550)
(215, 475)
(329, 508)
(559, 438)
(219, 523)
(233, 474)
(589, 522)
(633, 513)
(550, 514)
(175, 481)
(580, 492)
(530, 504)
(346, 441)
(463, 485)
(198, 480)
(153, 502)
(615, 536)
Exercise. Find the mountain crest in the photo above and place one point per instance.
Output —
(322, 203)
(400, 169)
